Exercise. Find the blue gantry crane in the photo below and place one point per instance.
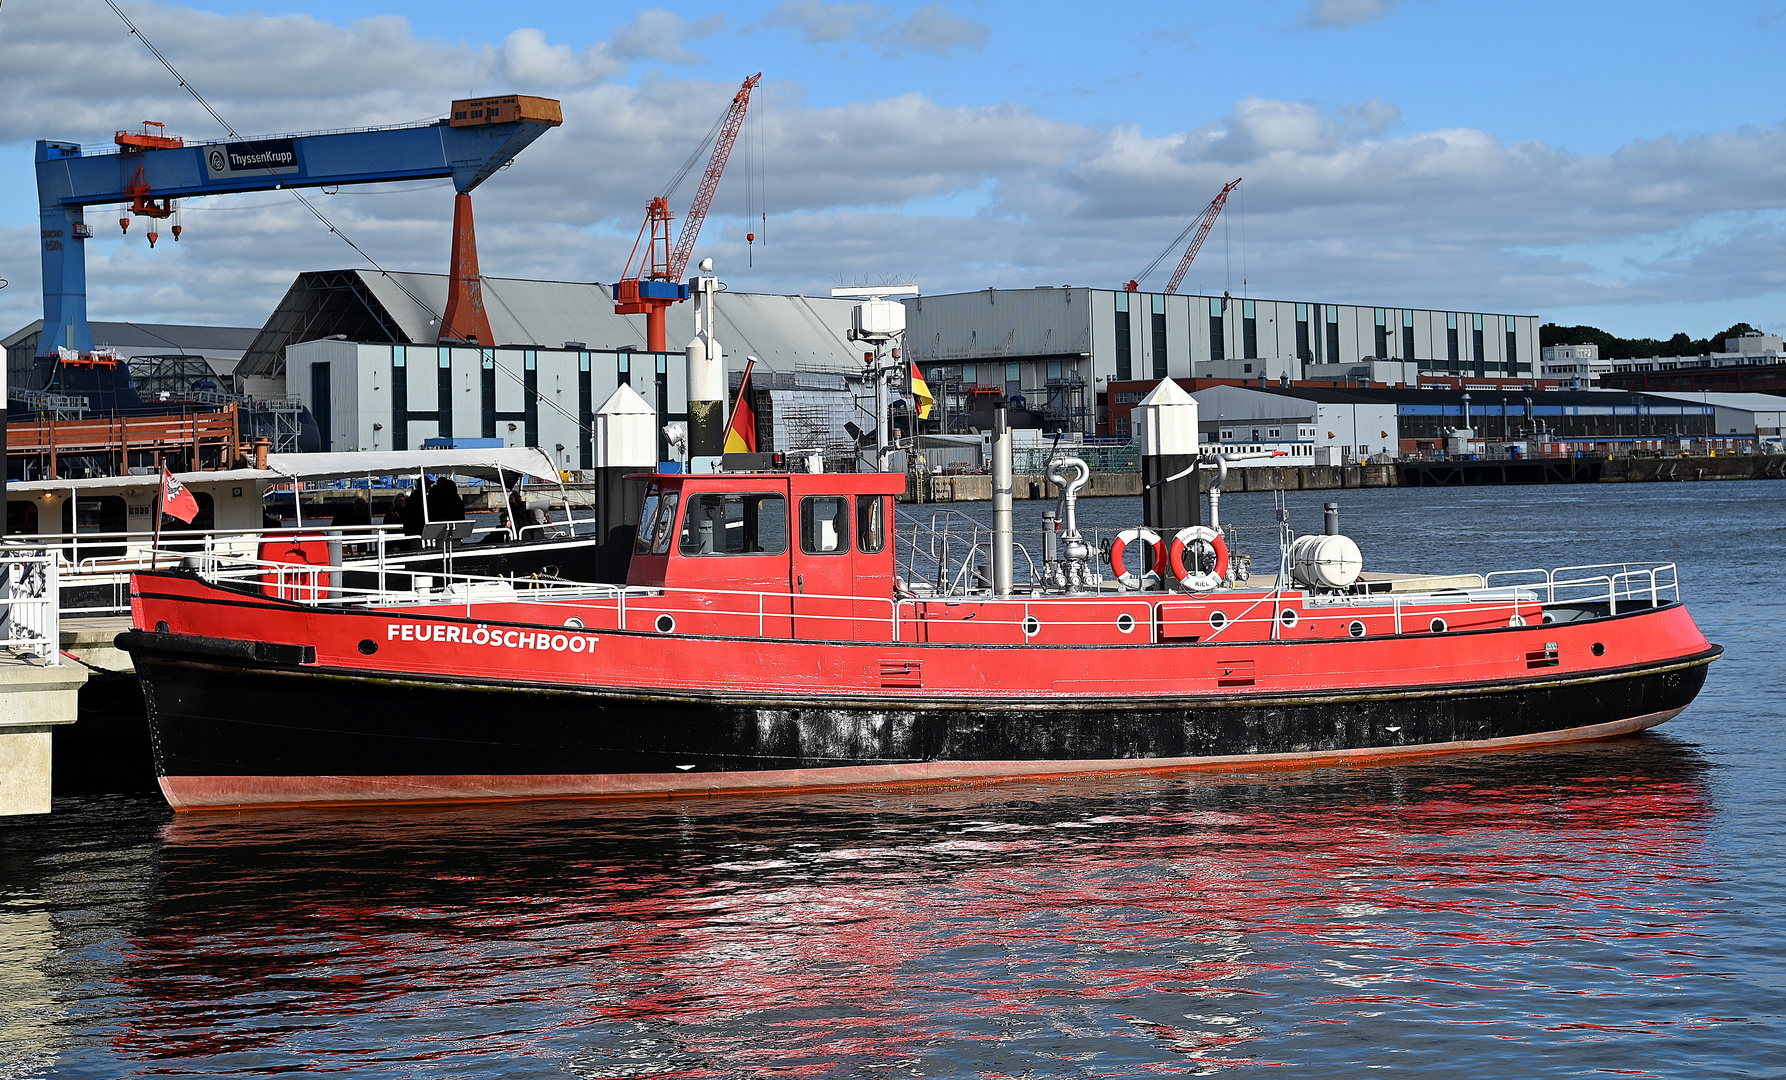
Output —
(149, 171)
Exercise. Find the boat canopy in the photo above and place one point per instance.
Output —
(284, 468)
(482, 462)
(102, 485)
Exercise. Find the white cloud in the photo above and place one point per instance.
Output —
(658, 35)
(932, 28)
(1331, 13)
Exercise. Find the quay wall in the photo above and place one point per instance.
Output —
(978, 488)
(1403, 474)
(975, 488)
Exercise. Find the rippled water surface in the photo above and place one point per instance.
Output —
(1605, 908)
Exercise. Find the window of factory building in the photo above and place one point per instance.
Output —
(1407, 335)
(1013, 380)
(320, 400)
(1476, 347)
(1303, 352)
(1159, 335)
(1513, 364)
(1218, 338)
(1124, 357)
(736, 524)
(1382, 351)
(1333, 348)
(1249, 328)
(1454, 361)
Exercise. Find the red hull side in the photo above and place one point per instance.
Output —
(506, 640)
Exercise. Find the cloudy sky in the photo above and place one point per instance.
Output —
(1618, 164)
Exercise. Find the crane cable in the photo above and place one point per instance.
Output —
(296, 194)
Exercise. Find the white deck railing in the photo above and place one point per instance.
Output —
(1139, 618)
(29, 609)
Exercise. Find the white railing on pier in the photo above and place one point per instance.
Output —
(29, 608)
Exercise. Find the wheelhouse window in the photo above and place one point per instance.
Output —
(657, 523)
(824, 525)
(735, 523)
(871, 523)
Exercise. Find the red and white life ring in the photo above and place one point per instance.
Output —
(1126, 577)
(1193, 579)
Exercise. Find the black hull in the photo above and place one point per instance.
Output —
(221, 716)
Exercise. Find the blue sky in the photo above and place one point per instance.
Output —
(1614, 164)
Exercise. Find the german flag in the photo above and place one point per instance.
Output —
(921, 391)
(741, 433)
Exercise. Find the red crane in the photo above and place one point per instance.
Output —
(657, 283)
(1202, 223)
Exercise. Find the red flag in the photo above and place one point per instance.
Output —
(176, 499)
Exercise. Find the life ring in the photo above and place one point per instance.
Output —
(1193, 577)
(1126, 577)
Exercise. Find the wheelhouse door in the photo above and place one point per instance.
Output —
(824, 571)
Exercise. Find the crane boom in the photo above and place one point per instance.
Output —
(1202, 223)
(1209, 216)
(657, 283)
(722, 151)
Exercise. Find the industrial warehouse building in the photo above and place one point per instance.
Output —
(1061, 348)
(1361, 423)
(357, 348)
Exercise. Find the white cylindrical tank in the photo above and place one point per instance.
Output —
(1325, 562)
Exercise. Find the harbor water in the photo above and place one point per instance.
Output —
(1609, 908)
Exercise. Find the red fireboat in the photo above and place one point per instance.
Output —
(771, 635)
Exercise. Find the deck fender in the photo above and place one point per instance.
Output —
(193, 647)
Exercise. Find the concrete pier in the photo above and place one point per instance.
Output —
(35, 698)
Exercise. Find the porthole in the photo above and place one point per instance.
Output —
(1517, 620)
(1217, 620)
(161, 626)
(368, 646)
(1438, 626)
(574, 623)
(665, 624)
(1125, 622)
(1599, 649)
(1355, 628)
(1287, 617)
(1031, 625)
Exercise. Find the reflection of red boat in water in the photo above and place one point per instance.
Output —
(767, 638)
(715, 936)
